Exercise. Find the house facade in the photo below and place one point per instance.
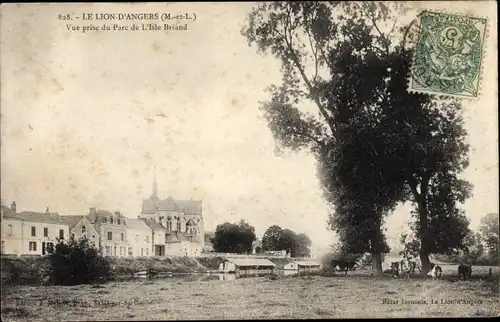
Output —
(31, 233)
(139, 238)
(112, 231)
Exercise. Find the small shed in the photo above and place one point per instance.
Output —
(247, 265)
(302, 266)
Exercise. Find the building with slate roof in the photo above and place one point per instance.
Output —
(80, 227)
(179, 230)
(30, 233)
(112, 231)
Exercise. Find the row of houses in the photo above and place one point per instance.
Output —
(32, 233)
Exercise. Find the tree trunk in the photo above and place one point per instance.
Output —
(424, 259)
(377, 264)
(376, 244)
(424, 233)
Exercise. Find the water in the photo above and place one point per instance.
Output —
(202, 277)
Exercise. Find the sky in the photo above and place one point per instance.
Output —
(86, 116)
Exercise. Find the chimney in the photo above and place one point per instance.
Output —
(13, 206)
(93, 211)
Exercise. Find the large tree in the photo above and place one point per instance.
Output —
(272, 238)
(376, 144)
(233, 238)
(275, 238)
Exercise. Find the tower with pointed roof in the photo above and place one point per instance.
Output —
(154, 194)
(181, 219)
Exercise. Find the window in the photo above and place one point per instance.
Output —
(105, 219)
(84, 229)
(147, 239)
(166, 237)
(108, 251)
(122, 237)
(50, 247)
(111, 220)
(169, 225)
(147, 251)
(3, 246)
(33, 231)
(110, 235)
(121, 250)
(72, 236)
(130, 251)
(61, 233)
(178, 226)
(32, 246)
(45, 232)
(124, 221)
(118, 221)
(9, 231)
(115, 250)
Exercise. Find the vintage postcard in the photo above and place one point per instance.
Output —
(249, 160)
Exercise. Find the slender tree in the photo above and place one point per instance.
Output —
(489, 231)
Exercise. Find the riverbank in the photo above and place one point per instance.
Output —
(26, 269)
(255, 298)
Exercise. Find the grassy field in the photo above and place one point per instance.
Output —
(352, 296)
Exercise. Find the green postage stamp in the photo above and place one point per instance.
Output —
(448, 55)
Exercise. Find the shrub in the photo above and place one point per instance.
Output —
(77, 262)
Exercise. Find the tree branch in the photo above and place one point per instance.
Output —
(318, 141)
(312, 90)
(372, 19)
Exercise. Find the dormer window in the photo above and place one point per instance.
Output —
(105, 219)
(118, 221)
(84, 229)
(110, 220)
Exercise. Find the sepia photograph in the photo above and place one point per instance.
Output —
(249, 160)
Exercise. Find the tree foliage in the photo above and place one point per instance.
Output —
(234, 238)
(272, 238)
(77, 262)
(275, 238)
